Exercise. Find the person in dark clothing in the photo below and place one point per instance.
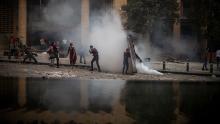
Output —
(29, 55)
(12, 50)
(204, 67)
(125, 61)
(55, 53)
(95, 54)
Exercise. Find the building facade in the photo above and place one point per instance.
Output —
(20, 17)
(17, 18)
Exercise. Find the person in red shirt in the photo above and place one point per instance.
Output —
(95, 54)
(72, 54)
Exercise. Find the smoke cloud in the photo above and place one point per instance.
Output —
(106, 32)
(59, 18)
(108, 36)
(141, 68)
(161, 44)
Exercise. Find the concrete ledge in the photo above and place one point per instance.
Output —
(190, 73)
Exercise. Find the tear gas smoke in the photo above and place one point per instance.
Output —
(59, 18)
(141, 68)
(161, 44)
(106, 31)
(108, 36)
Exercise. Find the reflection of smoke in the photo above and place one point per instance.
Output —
(70, 94)
(109, 38)
(104, 94)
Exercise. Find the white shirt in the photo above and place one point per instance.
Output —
(218, 53)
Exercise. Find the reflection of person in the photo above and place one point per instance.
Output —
(95, 54)
(218, 58)
(205, 61)
(72, 54)
(125, 61)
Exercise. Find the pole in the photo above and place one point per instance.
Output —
(164, 65)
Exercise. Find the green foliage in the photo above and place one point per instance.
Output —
(205, 15)
(142, 14)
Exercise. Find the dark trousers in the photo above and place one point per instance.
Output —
(95, 59)
(125, 68)
(30, 56)
(204, 67)
(55, 55)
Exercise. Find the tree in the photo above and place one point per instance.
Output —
(142, 14)
(205, 16)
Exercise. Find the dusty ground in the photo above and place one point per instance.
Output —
(45, 71)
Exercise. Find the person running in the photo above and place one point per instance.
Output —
(72, 54)
(95, 54)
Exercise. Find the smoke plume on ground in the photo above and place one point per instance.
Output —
(141, 68)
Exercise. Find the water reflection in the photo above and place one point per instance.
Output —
(107, 101)
(150, 103)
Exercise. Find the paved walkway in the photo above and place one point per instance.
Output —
(195, 68)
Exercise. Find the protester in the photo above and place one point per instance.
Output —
(218, 58)
(205, 60)
(12, 50)
(95, 54)
(55, 53)
(125, 61)
(18, 48)
(50, 52)
(72, 54)
(29, 55)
